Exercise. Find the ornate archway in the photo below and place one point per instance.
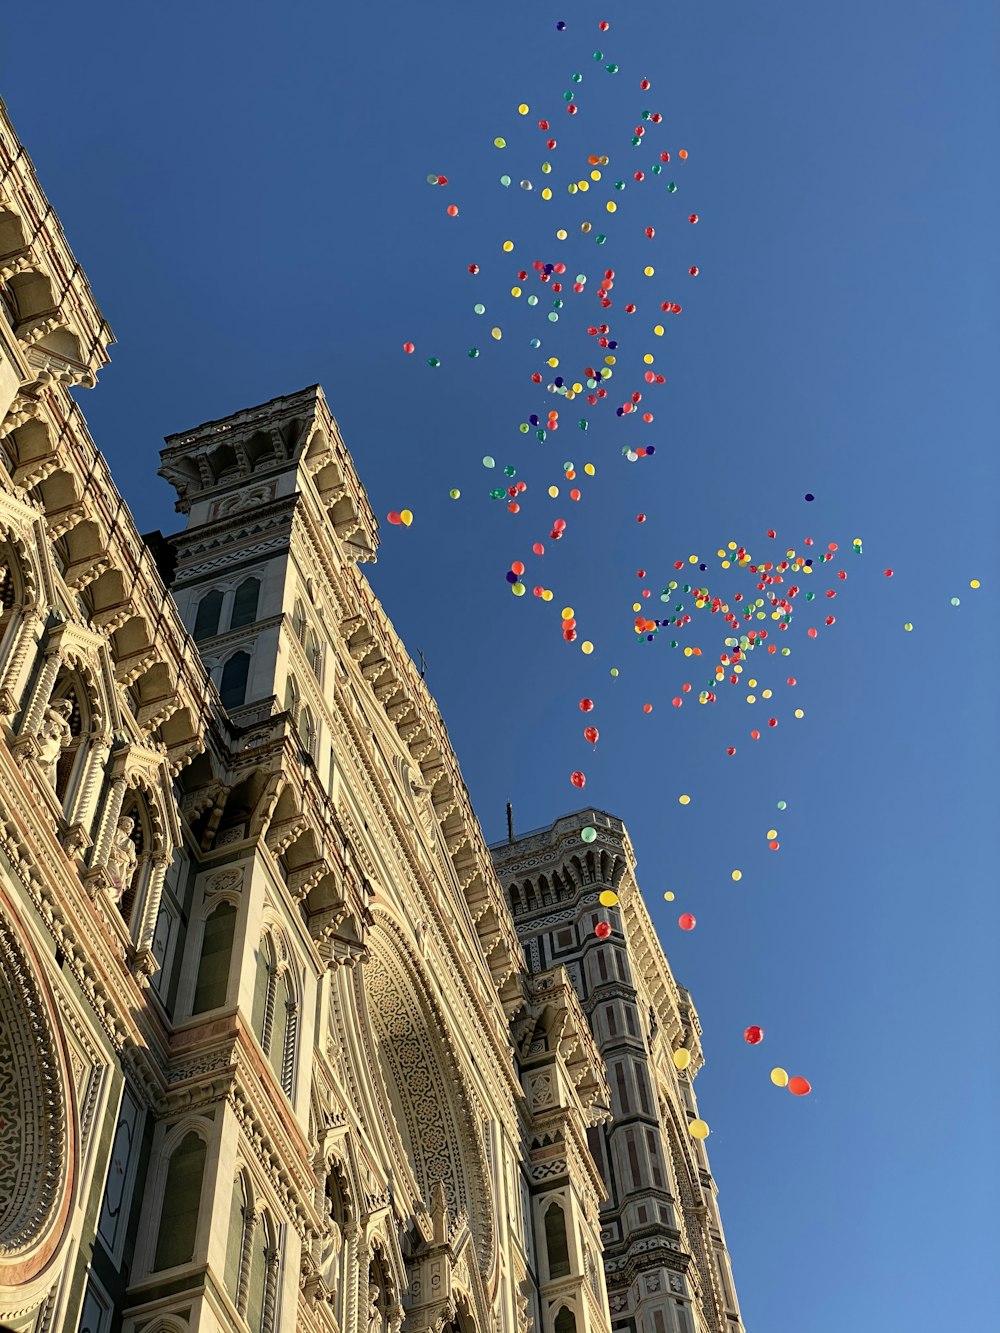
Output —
(36, 1118)
(420, 1087)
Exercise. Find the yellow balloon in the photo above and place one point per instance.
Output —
(974, 583)
(608, 898)
(499, 143)
(547, 595)
(497, 333)
(737, 875)
(546, 194)
(611, 206)
(515, 291)
(682, 1058)
(553, 361)
(799, 712)
(649, 270)
(698, 1129)
(614, 671)
(658, 330)
(567, 613)
(553, 491)
(517, 589)
(586, 647)
(508, 246)
(589, 469)
(595, 175)
(779, 1077)
(560, 234)
(772, 833)
(684, 800)
(522, 110)
(406, 517)
(669, 896)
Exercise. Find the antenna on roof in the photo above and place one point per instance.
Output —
(423, 664)
(510, 822)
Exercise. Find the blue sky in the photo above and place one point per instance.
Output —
(245, 187)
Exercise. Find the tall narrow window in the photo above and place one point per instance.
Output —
(213, 967)
(291, 697)
(307, 731)
(206, 622)
(315, 654)
(239, 1216)
(556, 1247)
(257, 1287)
(233, 689)
(274, 1014)
(299, 621)
(178, 1231)
(245, 603)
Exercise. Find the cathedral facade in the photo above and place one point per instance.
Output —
(284, 1046)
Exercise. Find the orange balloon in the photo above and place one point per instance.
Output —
(799, 1086)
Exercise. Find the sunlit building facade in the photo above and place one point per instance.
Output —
(283, 1046)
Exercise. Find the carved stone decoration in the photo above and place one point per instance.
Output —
(122, 858)
(35, 1144)
(54, 734)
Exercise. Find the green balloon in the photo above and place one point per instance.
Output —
(479, 308)
(588, 834)
(554, 318)
(433, 361)
(498, 494)
(636, 140)
(524, 428)
(583, 423)
(657, 169)
(568, 97)
(601, 240)
(612, 69)
(672, 187)
(473, 351)
(782, 805)
(598, 55)
(510, 471)
(453, 494)
(532, 299)
(505, 181)
(489, 462)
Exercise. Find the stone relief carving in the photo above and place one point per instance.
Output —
(122, 858)
(54, 735)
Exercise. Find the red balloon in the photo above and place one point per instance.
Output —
(798, 1086)
(686, 921)
(393, 517)
(409, 348)
(538, 548)
(753, 1035)
(694, 270)
(640, 518)
(517, 568)
(602, 930)
(473, 268)
(591, 734)
(452, 210)
(578, 779)
(586, 705)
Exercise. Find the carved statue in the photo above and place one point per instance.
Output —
(374, 1313)
(54, 735)
(122, 857)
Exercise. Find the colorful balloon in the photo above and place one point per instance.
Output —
(591, 734)
(578, 779)
(753, 1035)
(698, 1129)
(686, 921)
(608, 898)
(602, 930)
(779, 1077)
(682, 1058)
(588, 834)
(799, 1087)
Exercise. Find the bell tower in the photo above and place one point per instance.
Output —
(274, 510)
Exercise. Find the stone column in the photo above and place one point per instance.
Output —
(82, 811)
(109, 822)
(42, 692)
(23, 641)
(144, 959)
(243, 1288)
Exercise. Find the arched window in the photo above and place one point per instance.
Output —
(245, 603)
(299, 621)
(556, 1247)
(274, 1017)
(178, 1232)
(565, 1321)
(314, 653)
(239, 1223)
(206, 622)
(307, 731)
(213, 967)
(292, 697)
(233, 689)
(261, 1252)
